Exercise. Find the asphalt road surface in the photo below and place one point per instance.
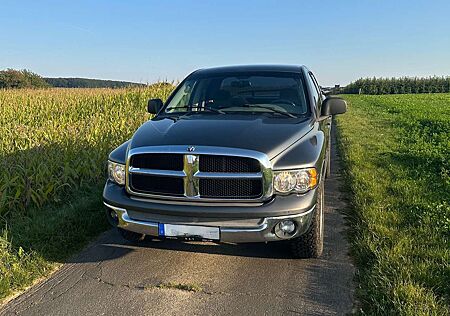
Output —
(112, 277)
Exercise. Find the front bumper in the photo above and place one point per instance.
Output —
(237, 222)
(261, 233)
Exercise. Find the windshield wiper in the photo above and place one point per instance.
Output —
(274, 110)
(210, 109)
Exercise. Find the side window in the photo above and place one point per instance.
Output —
(181, 98)
(314, 89)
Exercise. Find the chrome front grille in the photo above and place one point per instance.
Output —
(208, 173)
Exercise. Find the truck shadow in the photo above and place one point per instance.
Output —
(111, 246)
(276, 250)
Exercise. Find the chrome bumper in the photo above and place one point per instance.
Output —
(263, 231)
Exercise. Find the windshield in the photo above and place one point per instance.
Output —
(277, 93)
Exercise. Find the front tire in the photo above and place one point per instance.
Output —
(131, 236)
(310, 244)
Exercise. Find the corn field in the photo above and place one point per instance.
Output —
(54, 141)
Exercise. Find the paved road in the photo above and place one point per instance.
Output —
(112, 277)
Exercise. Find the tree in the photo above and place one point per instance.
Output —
(16, 79)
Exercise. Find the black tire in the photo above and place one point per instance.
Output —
(131, 236)
(310, 244)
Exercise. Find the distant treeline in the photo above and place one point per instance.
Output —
(17, 79)
(88, 83)
(398, 85)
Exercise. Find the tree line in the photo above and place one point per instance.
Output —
(398, 85)
(88, 83)
(17, 79)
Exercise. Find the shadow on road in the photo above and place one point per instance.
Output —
(111, 246)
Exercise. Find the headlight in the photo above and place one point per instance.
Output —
(116, 172)
(295, 181)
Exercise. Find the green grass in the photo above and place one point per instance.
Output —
(32, 246)
(53, 149)
(396, 155)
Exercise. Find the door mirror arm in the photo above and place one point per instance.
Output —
(322, 118)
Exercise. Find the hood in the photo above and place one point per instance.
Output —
(266, 134)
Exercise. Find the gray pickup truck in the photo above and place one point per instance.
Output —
(236, 154)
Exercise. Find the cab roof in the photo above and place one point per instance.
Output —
(249, 68)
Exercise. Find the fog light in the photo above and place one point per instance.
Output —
(285, 228)
(113, 215)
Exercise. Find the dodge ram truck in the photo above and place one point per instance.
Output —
(236, 154)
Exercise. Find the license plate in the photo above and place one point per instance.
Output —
(186, 231)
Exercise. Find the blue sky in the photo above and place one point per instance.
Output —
(149, 40)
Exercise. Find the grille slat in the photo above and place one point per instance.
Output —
(213, 163)
(230, 188)
(157, 184)
(158, 161)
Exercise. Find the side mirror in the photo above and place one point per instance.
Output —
(333, 106)
(154, 105)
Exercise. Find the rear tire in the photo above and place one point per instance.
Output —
(310, 244)
(131, 236)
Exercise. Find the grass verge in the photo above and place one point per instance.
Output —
(396, 151)
(33, 245)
